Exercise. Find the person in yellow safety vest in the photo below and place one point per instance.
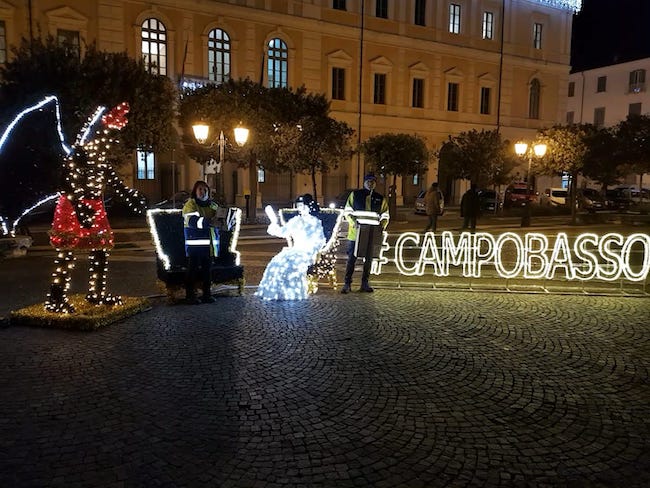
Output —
(364, 200)
(201, 241)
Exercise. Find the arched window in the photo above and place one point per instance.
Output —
(154, 46)
(533, 102)
(218, 56)
(278, 64)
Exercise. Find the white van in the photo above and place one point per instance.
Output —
(555, 197)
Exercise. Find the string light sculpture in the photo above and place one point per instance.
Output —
(285, 277)
(80, 220)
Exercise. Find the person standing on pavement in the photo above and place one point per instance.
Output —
(365, 199)
(470, 207)
(432, 206)
(201, 241)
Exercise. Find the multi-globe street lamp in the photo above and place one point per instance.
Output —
(201, 133)
(523, 149)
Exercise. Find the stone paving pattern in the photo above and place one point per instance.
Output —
(393, 389)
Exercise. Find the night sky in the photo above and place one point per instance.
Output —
(609, 32)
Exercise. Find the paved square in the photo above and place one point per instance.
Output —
(391, 389)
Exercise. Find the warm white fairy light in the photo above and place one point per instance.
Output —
(80, 220)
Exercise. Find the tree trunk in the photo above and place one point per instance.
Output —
(573, 194)
(252, 184)
(392, 198)
(313, 184)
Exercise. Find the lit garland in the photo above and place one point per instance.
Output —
(80, 220)
(233, 224)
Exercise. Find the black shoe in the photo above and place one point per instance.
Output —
(366, 288)
(207, 299)
(192, 300)
(346, 289)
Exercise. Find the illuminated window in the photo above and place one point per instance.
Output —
(381, 9)
(420, 12)
(338, 84)
(218, 56)
(418, 93)
(69, 39)
(601, 84)
(154, 46)
(533, 99)
(146, 165)
(261, 174)
(485, 100)
(379, 94)
(454, 18)
(488, 25)
(278, 64)
(3, 42)
(537, 35)
(452, 97)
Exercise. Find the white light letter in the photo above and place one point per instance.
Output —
(536, 248)
(498, 252)
(399, 253)
(626, 254)
(589, 260)
(561, 257)
(612, 259)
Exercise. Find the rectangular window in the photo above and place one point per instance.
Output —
(602, 84)
(146, 165)
(454, 18)
(637, 81)
(572, 88)
(338, 4)
(69, 39)
(420, 12)
(338, 84)
(599, 116)
(380, 89)
(261, 175)
(537, 35)
(3, 42)
(381, 9)
(488, 25)
(634, 109)
(485, 100)
(452, 97)
(416, 180)
(569, 118)
(418, 93)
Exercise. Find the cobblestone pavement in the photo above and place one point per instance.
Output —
(393, 389)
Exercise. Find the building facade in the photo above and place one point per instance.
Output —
(429, 67)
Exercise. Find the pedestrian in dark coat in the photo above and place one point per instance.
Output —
(470, 208)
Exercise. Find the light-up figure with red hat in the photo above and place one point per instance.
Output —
(80, 220)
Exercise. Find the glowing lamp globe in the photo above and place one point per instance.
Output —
(539, 149)
(201, 131)
(521, 148)
(241, 135)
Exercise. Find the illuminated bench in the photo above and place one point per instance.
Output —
(166, 228)
(324, 266)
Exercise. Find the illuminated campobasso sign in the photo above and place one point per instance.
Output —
(533, 255)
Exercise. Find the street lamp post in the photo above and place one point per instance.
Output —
(201, 133)
(522, 149)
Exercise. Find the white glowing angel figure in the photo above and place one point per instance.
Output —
(285, 277)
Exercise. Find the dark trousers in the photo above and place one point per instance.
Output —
(198, 269)
(469, 222)
(433, 223)
(352, 260)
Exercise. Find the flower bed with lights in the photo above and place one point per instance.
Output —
(86, 317)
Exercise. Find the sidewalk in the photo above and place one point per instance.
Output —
(391, 389)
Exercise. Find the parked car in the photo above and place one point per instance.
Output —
(554, 197)
(421, 207)
(177, 200)
(518, 195)
(618, 199)
(489, 200)
(590, 200)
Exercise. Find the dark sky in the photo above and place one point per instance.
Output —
(610, 32)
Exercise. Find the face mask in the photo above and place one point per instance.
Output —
(204, 197)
